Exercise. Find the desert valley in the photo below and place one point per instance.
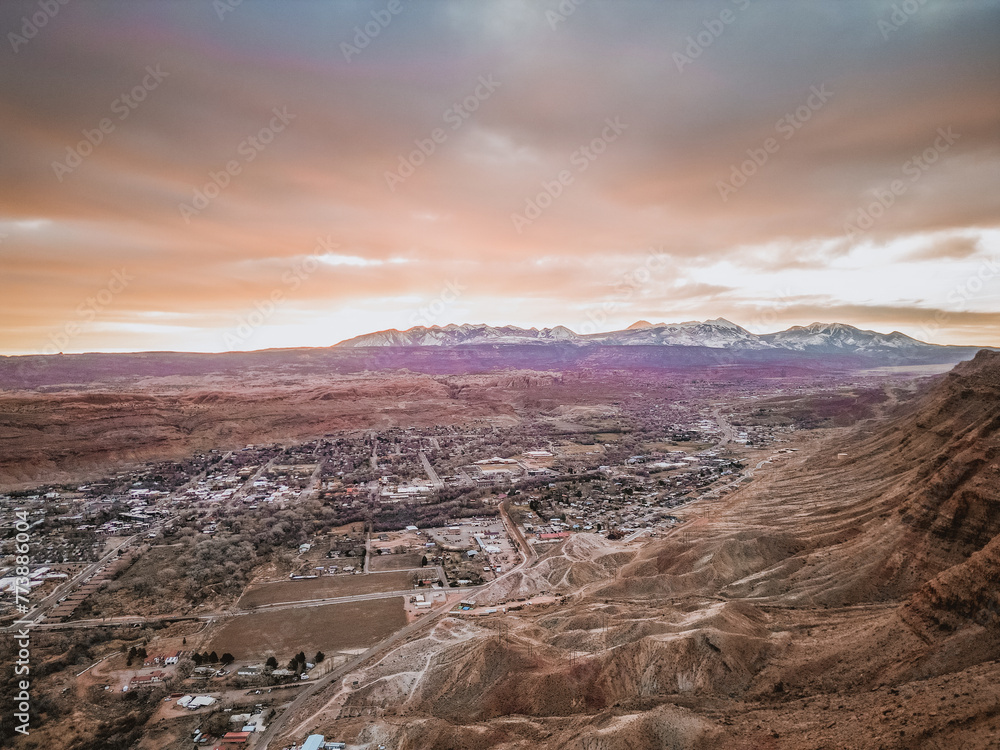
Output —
(683, 547)
(499, 375)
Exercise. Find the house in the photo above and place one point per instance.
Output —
(172, 658)
(147, 679)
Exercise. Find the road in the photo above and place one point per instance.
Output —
(527, 552)
(431, 474)
(212, 616)
(727, 429)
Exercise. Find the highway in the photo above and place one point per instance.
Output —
(727, 429)
(212, 616)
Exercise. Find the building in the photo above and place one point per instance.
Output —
(233, 740)
(314, 742)
(147, 679)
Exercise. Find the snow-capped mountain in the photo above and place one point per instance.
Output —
(834, 337)
(713, 334)
(716, 334)
(462, 335)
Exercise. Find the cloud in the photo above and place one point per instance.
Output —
(324, 174)
(949, 248)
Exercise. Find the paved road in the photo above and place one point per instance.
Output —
(727, 429)
(636, 534)
(431, 474)
(212, 616)
(527, 551)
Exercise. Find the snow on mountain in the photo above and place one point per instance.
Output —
(715, 334)
(835, 337)
(461, 335)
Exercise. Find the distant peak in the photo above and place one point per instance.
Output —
(722, 323)
(639, 324)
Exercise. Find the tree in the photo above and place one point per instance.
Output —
(293, 665)
(213, 658)
(227, 659)
(320, 656)
(216, 723)
(196, 658)
(300, 657)
(271, 663)
(423, 561)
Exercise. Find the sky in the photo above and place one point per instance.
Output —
(212, 176)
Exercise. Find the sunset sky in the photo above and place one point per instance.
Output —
(297, 173)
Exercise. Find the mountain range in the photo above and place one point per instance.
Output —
(817, 338)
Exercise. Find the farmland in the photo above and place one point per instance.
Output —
(396, 562)
(279, 592)
(329, 628)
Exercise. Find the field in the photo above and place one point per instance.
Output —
(323, 588)
(395, 562)
(578, 449)
(329, 628)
